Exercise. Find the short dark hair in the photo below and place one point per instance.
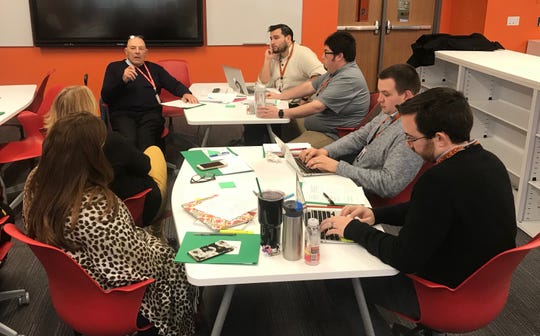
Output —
(285, 30)
(440, 110)
(342, 42)
(405, 77)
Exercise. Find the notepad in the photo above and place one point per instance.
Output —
(213, 220)
(181, 104)
(246, 248)
(234, 163)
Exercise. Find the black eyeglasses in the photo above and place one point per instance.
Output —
(201, 179)
(410, 139)
(326, 52)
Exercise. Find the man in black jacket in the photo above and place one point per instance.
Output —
(131, 90)
(460, 215)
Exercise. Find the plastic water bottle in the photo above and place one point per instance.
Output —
(312, 254)
(260, 95)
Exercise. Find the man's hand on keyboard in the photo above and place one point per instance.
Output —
(309, 153)
(323, 162)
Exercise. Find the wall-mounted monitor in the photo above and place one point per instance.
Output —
(80, 23)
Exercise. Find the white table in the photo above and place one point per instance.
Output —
(14, 99)
(224, 114)
(338, 261)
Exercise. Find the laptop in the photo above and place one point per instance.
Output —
(236, 80)
(296, 162)
(321, 213)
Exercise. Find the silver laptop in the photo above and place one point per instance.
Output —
(320, 212)
(296, 162)
(236, 80)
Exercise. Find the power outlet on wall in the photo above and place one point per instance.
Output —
(512, 21)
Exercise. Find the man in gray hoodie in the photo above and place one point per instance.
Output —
(384, 165)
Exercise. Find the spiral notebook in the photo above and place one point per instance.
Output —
(214, 222)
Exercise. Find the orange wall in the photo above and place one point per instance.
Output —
(23, 65)
(512, 37)
(463, 17)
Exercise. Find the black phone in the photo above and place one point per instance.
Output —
(211, 250)
(210, 165)
(216, 90)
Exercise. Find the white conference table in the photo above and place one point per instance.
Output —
(14, 99)
(338, 261)
(224, 114)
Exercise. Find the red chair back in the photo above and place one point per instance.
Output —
(48, 99)
(373, 111)
(179, 69)
(135, 205)
(475, 302)
(403, 196)
(38, 96)
(79, 300)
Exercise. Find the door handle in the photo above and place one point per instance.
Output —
(388, 27)
(375, 28)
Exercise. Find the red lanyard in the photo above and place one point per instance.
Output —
(455, 150)
(149, 77)
(378, 132)
(282, 69)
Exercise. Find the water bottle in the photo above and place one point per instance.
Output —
(292, 230)
(260, 95)
(312, 254)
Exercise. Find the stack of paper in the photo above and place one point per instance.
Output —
(339, 189)
(295, 148)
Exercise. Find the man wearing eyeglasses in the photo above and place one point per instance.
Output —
(460, 215)
(340, 98)
(131, 89)
(382, 165)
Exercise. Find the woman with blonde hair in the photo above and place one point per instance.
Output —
(134, 171)
(68, 204)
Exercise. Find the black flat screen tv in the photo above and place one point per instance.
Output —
(87, 23)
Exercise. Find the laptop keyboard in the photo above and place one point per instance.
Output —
(305, 168)
(322, 215)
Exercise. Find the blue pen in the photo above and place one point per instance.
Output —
(288, 196)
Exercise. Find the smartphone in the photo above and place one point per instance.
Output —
(211, 250)
(215, 90)
(211, 165)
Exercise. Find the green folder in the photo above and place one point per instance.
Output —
(195, 157)
(248, 255)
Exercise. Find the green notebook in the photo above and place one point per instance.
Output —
(248, 254)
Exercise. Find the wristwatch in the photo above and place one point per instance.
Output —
(280, 114)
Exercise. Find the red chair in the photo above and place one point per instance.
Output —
(36, 101)
(373, 111)
(40, 91)
(79, 300)
(30, 146)
(179, 69)
(403, 196)
(22, 296)
(476, 301)
(135, 205)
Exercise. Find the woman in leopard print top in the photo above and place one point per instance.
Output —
(81, 215)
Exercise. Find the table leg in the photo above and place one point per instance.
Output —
(223, 309)
(205, 137)
(362, 305)
(270, 133)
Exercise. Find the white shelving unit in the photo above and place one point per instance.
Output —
(503, 90)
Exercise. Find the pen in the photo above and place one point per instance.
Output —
(236, 231)
(215, 234)
(329, 199)
(288, 196)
